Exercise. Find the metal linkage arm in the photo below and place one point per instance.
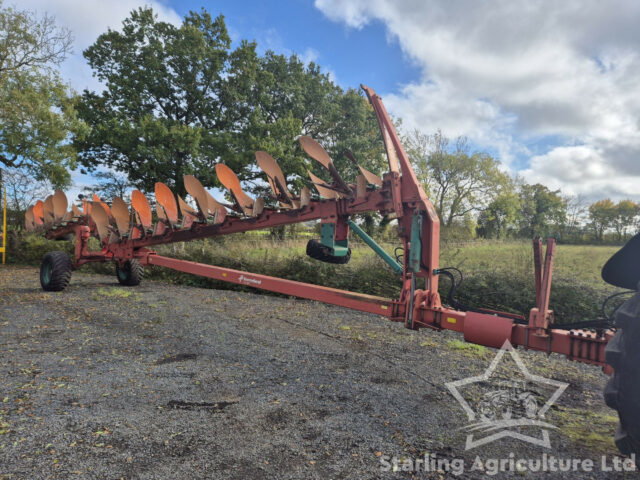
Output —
(355, 301)
(388, 259)
(410, 199)
(494, 331)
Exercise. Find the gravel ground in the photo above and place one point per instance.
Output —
(166, 382)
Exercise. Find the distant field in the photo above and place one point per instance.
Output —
(582, 262)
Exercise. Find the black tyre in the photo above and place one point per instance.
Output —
(130, 274)
(55, 271)
(317, 250)
(66, 238)
(622, 392)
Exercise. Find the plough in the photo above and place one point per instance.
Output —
(128, 233)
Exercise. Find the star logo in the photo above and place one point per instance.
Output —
(507, 407)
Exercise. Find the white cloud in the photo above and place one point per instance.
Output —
(309, 55)
(87, 19)
(513, 73)
(581, 170)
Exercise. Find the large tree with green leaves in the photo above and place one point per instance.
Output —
(543, 211)
(290, 98)
(626, 213)
(458, 181)
(602, 215)
(36, 108)
(501, 215)
(178, 100)
(167, 98)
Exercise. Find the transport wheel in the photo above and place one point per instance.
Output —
(622, 392)
(317, 250)
(130, 274)
(55, 271)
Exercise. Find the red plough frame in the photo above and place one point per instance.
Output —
(401, 196)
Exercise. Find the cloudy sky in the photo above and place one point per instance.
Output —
(549, 88)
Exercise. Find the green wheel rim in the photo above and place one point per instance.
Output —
(47, 272)
(122, 273)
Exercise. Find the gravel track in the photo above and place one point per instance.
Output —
(163, 382)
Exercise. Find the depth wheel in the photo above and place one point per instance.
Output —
(55, 271)
(130, 274)
(622, 392)
(317, 250)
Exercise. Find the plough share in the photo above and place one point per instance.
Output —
(128, 233)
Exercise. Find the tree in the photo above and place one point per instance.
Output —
(289, 98)
(602, 214)
(626, 212)
(110, 184)
(179, 100)
(500, 215)
(419, 147)
(576, 207)
(168, 107)
(37, 112)
(541, 210)
(22, 190)
(457, 181)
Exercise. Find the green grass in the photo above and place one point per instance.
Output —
(498, 275)
(587, 428)
(470, 349)
(116, 293)
(581, 262)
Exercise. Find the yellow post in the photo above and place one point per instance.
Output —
(4, 226)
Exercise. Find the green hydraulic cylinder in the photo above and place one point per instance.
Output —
(375, 247)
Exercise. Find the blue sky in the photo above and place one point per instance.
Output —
(368, 55)
(548, 88)
(353, 56)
